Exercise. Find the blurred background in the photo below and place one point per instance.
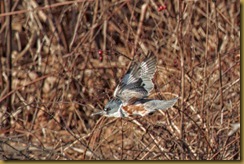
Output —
(61, 60)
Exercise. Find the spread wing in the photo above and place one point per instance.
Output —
(137, 82)
(148, 68)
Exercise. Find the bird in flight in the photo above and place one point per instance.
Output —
(131, 95)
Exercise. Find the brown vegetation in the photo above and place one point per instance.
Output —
(60, 61)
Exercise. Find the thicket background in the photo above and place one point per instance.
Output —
(60, 61)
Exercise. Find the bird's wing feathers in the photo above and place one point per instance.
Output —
(137, 82)
(148, 68)
(132, 74)
(128, 94)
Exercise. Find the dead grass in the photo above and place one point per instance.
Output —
(67, 56)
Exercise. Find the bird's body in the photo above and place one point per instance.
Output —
(130, 96)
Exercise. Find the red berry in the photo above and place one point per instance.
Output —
(175, 63)
(101, 58)
(100, 52)
(162, 7)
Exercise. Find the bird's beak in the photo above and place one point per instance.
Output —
(98, 113)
